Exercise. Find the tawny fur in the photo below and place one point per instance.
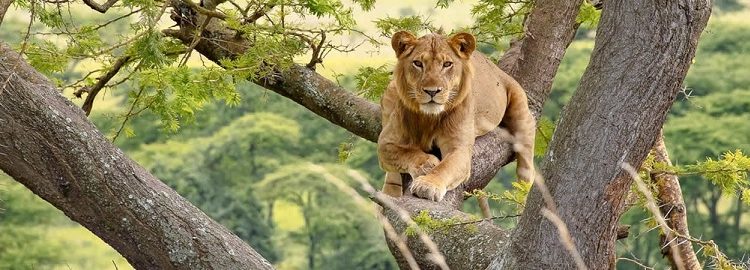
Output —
(417, 119)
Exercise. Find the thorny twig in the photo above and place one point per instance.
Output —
(129, 114)
(483, 220)
(101, 83)
(651, 205)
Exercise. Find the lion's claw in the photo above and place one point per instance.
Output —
(424, 167)
(425, 187)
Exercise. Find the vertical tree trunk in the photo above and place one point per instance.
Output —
(533, 60)
(642, 53)
(672, 207)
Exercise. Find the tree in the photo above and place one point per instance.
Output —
(637, 67)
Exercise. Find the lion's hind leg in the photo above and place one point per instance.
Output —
(523, 128)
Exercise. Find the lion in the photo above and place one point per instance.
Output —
(434, 108)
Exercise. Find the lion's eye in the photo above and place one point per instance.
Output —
(417, 63)
(447, 64)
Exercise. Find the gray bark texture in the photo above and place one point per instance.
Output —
(469, 245)
(48, 145)
(642, 52)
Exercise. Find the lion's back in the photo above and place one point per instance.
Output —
(489, 91)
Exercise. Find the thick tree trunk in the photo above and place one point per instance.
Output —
(642, 52)
(672, 207)
(48, 145)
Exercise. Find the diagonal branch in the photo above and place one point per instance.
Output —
(259, 13)
(100, 84)
(467, 246)
(48, 145)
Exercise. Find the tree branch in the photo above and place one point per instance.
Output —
(101, 8)
(100, 84)
(259, 13)
(48, 145)
(209, 10)
(672, 207)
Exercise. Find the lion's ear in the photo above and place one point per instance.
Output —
(463, 44)
(402, 41)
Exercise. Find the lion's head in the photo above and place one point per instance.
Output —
(433, 73)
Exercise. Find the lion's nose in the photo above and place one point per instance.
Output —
(432, 91)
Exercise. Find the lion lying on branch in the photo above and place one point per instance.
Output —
(436, 106)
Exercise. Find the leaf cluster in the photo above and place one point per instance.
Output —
(371, 82)
(497, 19)
(425, 223)
(515, 197)
(544, 130)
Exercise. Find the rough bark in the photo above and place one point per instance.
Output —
(533, 61)
(471, 245)
(642, 52)
(672, 207)
(48, 145)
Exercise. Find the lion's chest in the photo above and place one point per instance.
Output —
(426, 132)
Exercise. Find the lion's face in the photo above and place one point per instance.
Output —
(433, 72)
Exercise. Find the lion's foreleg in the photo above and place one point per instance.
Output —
(393, 185)
(405, 159)
(453, 170)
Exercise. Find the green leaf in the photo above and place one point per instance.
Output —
(496, 19)
(544, 130)
(389, 25)
(151, 49)
(47, 58)
(366, 5)
(372, 81)
(443, 3)
(588, 14)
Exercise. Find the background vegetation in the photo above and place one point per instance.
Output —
(245, 160)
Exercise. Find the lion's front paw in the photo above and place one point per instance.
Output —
(424, 167)
(428, 187)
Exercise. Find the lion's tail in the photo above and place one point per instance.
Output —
(521, 124)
